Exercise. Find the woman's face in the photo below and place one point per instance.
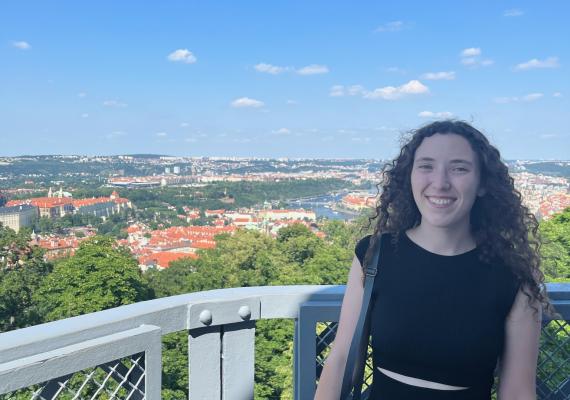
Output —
(445, 180)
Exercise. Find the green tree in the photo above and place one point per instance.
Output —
(99, 276)
(175, 366)
(329, 265)
(22, 270)
(171, 281)
(555, 251)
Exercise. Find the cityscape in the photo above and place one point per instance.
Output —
(36, 198)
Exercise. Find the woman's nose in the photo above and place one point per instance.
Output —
(441, 179)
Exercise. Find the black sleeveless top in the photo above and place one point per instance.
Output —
(438, 318)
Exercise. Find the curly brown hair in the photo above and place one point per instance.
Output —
(501, 225)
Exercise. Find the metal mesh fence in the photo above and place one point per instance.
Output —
(553, 368)
(119, 379)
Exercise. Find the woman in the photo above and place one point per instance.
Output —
(458, 285)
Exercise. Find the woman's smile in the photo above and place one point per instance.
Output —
(440, 202)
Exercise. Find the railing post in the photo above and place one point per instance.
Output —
(310, 313)
(204, 355)
(238, 361)
(153, 367)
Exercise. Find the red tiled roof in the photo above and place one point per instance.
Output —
(215, 211)
(89, 202)
(49, 202)
(164, 258)
(204, 244)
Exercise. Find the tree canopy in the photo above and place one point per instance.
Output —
(555, 250)
(100, 275)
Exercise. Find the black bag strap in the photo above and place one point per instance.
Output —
(359, 345)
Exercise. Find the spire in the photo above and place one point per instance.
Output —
(50, 194)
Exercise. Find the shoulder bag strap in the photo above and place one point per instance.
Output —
(359, 345)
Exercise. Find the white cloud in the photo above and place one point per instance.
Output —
(393, 93)
(471, 52)
(431, 114)
(291, 102)
(191, 140)
(84, 115)
(355, 90)
(182, 55)
(184, 124)
(161, 134)
(393, 26)
(81, 95)
(270, 69)
(436, 76)
(243, 102)
(337, 91)
(532, 97)
(514, 99)
(313, 69)
(22, 45)
(282, 131)
(386, 93)
(114, 104)
(513, 12)
(557, 94)
(471, 57)
(469, 61)
(550, 62)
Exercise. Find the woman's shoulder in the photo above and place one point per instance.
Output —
(362, 245)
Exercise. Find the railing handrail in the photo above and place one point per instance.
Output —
(171, 314)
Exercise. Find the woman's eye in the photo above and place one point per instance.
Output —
(424, 166)
(460, 169)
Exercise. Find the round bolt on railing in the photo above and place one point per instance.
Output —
(244, 312)
(206, 317)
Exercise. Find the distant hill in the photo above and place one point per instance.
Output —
(552, 168)
(145, 155)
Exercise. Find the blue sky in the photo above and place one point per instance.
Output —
(280, 78)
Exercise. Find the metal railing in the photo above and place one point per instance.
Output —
(118, 351)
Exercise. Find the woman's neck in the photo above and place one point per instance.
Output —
(444, 241)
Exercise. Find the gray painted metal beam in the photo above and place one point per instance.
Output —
(204, 354)
(238, 361)
(170, 314)
(310, 313)
(42, 367)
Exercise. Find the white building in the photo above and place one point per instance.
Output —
(17, 217)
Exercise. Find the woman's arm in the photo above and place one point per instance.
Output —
(331, 377)
(517, 373)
